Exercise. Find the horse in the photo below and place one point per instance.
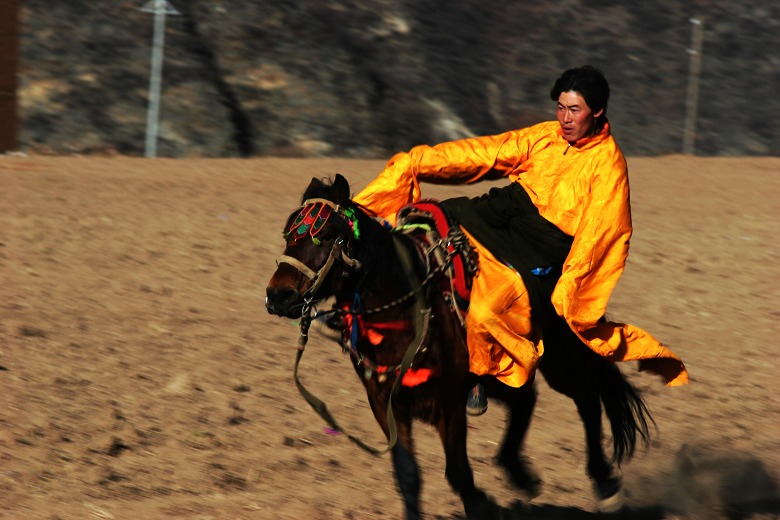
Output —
(398, 318)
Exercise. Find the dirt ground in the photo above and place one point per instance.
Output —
(141, 377)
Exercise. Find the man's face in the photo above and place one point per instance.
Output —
(575, 116)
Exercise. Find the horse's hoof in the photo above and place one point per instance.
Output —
(522, 476)
(611, 497)
(613, 504)
(481, 507)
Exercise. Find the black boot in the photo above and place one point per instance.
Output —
(476, 403)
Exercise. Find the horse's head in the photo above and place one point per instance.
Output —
(317, 259)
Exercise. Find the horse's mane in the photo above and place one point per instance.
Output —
(378, 248)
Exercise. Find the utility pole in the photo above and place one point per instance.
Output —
(692, 101)
(160, 8)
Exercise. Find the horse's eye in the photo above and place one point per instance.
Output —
(328, 235)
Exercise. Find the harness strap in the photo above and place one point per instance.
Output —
(319, 277)
(420, 317)
(309, 273)
(322, 273)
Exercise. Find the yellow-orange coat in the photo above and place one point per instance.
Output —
(583, 190)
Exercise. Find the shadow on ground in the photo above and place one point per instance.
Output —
(520, 511)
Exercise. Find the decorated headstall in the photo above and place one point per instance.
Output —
(310, 221)
(314, 214)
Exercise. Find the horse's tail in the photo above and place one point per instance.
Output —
(628, 415)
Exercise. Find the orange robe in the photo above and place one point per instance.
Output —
(583, 190)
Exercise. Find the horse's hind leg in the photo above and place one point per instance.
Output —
(586, 397)
(606, 485)
(569, 368)
(521, 403)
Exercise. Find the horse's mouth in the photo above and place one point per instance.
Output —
(286, 306)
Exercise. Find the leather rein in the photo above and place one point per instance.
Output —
(420, 317)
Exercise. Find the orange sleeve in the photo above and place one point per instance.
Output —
(598, 253)
(591, 272)
(455, 162)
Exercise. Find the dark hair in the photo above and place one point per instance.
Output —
(589, 82)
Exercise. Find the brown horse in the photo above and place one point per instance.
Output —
(399, 321)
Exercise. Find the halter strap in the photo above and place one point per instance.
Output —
(303, 268)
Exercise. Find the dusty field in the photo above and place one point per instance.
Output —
(140, 376)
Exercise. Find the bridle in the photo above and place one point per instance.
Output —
(311, 219)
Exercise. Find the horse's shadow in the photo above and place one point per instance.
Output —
(522, 511)
(550, 512)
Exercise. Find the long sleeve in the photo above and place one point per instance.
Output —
(598, 253)
(455, 162)
(592, 269)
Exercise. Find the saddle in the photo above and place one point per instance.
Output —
(441, 245)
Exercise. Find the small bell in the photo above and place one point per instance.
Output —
(367, 373)
(382, 378)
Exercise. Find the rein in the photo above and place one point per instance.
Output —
(420, 317)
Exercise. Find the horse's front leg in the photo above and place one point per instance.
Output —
(405, 468)
(407, 474)
(452, 429)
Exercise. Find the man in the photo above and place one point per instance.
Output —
(563, 224)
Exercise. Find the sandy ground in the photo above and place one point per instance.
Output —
(140, 376)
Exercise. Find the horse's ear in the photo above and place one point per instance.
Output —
(340, 189)
(314, 185)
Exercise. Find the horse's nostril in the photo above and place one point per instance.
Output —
(282, 302)
(289, 297)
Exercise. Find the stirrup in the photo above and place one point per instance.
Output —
(476, 403)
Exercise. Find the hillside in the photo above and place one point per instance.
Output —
(364, 79)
